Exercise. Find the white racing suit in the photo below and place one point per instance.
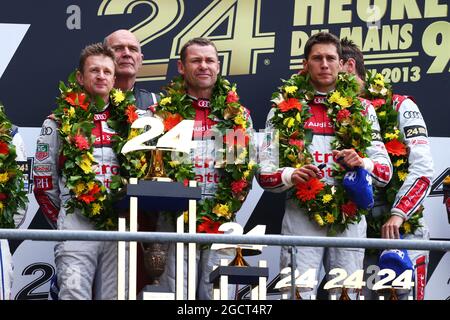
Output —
(84, 269)
(6, 263)
(295, 221)
(207, 177)
(416, 186)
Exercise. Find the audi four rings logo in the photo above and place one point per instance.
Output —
(412, 115)
(46, 131)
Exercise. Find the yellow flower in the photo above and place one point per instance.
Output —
(4, 177)
(174, 163)
(85, 164)
(246, 174)
(66, 127)
(186, 216)
(318, 219)
(133, 133)
(90, 156)
(240, 121)
(289, 122)
(391, 136)
(290, 89)
(222, 210)
(382, 114)
(329, 218)
(379, 82)
(327, 198)
(334, 97)
(251, 165)
(118, 96)
(298, 165)
(357, 130)
(379, 77)
(344, 102)
(399, 162)
(71, 112)
(79, 188)
(96, 208)
(402, 175)
(407, 227)
(298, 117)
(1, 206)
(166, 101)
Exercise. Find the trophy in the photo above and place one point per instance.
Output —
(156, 170)
(178, 139)
(155, 253)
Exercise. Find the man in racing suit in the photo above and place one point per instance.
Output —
(417, 184)
(322, 62)
(85, 269)
(199, 67)
(6, 263)
(128, 57)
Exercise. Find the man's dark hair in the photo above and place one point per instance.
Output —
(195, 41)
(351, 50)
(322, 37)
(95, 49)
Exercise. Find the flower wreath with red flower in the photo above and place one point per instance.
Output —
(12, 194)
(327, 205)
(380, 94)
(174, 106)
(75, 117)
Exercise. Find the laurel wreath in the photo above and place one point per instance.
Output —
(12, 194)
(327, 205)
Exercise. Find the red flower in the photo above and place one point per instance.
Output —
(81, 142)
(395, 147)
(3, 196)
(130, 112)
(298, 143)
(349, 209)
(238, 186)
(4, 148)
(89, 197)
(171, 121)
(342, 115)
(378, 103)
(77, 99)
(86, 198)
(208, 226)
(308, 190)
(95, 189)
(289, 104)
(232, 97)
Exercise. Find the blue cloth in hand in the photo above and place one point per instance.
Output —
(358, 184)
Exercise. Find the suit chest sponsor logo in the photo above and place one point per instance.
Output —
(43, 183)
(42, 168)
(319, 122)
(42, 151)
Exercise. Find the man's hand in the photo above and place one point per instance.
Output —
(390, 230)
(348, 157)
(305, 173)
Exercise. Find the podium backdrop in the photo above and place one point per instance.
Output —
(259, 43)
